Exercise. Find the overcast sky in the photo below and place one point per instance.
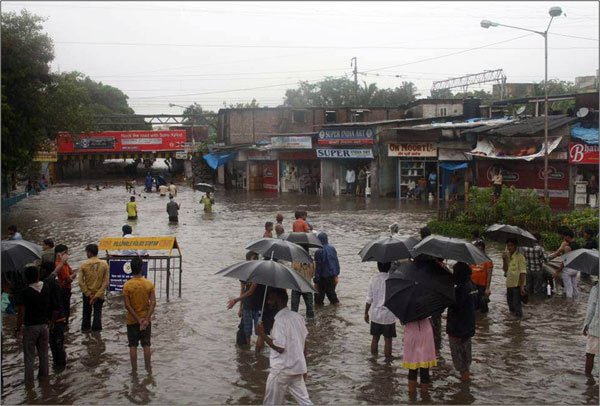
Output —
(210, 52)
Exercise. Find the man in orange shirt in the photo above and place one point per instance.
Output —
(300, 225)
(481, 276)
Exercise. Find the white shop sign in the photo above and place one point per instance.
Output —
(412, 149)
(345, 153)
(291, 142)
(181, 155)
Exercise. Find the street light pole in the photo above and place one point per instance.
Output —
(193, 118)
(554, 12)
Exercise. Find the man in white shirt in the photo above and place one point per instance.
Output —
(288, 350)
(350, 181)
(127, 233)
(382, 321)
(173, 189)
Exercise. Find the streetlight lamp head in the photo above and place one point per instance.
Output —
(555, 12)
(488, 24)
(171, 105)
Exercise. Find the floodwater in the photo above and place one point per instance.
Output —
(539, 359)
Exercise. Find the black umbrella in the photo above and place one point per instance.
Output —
(268, 273)
(388, 249)
(280, 249)
(204, 187)
(501, 232)
(583, 260)
(418, 290)
(450, 248)
(304, 239)
(18, 253)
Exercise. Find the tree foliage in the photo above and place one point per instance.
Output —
(26, 56)
(342, 92)
(556, 87)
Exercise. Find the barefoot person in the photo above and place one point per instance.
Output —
(382, 321)
(591, 330)
(140, 301)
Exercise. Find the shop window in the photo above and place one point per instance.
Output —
(299, 116)
(443, 112)
(330, 117)
(359, 116)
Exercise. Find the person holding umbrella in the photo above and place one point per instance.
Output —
(288, 352)
(515, 271)
(568, 276)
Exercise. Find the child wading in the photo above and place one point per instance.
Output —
(383, 321)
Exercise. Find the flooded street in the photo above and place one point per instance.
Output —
(539, 359)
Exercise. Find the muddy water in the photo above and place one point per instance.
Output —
(536, 360)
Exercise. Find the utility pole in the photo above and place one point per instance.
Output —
(354, 62)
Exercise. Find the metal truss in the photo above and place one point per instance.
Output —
(135, 120)
(465, 81)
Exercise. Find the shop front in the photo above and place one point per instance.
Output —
(299, 169)
(343, 148)
(529, 175)
(584, 159)
(417, 169)
(455, 172)
(262, 170)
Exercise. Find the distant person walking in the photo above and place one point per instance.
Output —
(140, 301)
(327, 270)
(148, 183)
(172, 189)
(131, 208)
(173, 210)
(382, 321)
(362, 180)
(207, 200)
(288, 353)
(300, 225)
(535, 258)
(93, 282)
(350, 181)
(432, 183)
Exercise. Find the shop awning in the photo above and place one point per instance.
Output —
(449, 166)
(486, 149)
(216, 160)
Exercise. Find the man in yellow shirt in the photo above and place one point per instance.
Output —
(515, 271)
(131, 209)
(93, 281)
(140, 301)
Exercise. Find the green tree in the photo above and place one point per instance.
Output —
(398, 96)
(26, 56)
(252, 105)
(555, 87)
(195, 114)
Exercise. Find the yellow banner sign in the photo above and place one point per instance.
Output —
(145, 243)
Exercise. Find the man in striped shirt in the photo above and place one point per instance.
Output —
(535, 258)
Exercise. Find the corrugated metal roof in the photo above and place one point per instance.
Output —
(527, 126)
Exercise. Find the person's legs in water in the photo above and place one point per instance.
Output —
(133, 358)
(412, 381)
(387, 347)
(425, 381)
(86, 314)
(147, 358)
(375, 344)
(589, 364)
(97, 307)
(308, 301)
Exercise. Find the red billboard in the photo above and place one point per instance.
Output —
(529, 175)
(580, 153)
(122, 141)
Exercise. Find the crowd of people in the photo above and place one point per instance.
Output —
(44, 305)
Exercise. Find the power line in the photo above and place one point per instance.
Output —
(447, 55)
(216, 74)
(574, 36)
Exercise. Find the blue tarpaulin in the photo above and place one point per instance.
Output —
(216, 160)
(588, 135)
(454, 167)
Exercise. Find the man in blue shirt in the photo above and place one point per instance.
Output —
(326, 271)
(432, 179)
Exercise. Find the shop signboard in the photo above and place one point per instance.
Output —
(47, 152)
(344, 153)
(346, 136)
(525, 175)
(297, 155)
(412, 149)
(181, 154)
(580, 153)
(122, 141)
(292, 142)
(120, 272)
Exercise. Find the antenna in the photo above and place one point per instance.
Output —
(582, 112)
(521, 109)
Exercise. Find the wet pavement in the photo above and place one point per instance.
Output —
(539, 359)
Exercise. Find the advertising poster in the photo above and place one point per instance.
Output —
(122, 141)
